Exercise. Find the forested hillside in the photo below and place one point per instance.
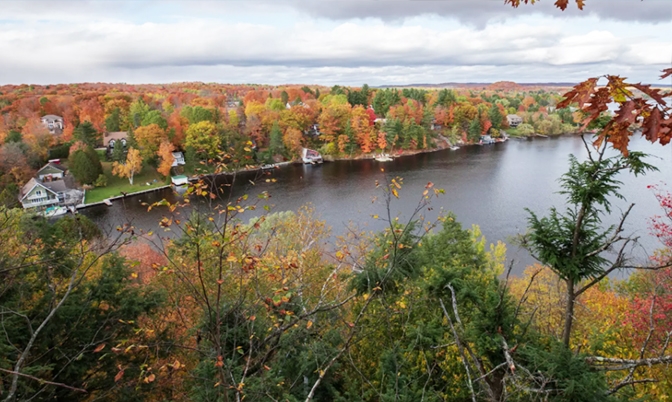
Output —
(245, 125)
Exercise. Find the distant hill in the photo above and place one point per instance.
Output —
(499, 85)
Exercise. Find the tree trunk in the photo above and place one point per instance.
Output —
(569, 313)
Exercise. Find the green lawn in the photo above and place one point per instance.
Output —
(513, 132)
(115, 185)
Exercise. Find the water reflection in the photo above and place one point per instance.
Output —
(485, 185)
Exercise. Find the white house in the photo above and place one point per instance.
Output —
(53, 123)
(38, 194)
(514, 120)
(50, 172)
(178, 159)
(50, 187)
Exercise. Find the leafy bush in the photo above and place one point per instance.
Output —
(101, 181)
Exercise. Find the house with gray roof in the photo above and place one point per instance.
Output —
(51, 171)
(514, 120)
(53, 123)
(52, 186)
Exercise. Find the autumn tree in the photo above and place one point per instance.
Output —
(132, 165)
(92, 111)
(335, 114)
(38, 139)
(292, 138)
(148, 139)
(362, 129)
(68, 306)
(14, 168)
(203, 138)
(165, 154)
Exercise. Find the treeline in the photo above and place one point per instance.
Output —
(271, 308)
(249, 125)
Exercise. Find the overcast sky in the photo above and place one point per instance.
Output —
(328, 42)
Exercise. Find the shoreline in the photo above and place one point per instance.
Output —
(297, 162)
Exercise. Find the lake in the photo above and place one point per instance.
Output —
(485, 185)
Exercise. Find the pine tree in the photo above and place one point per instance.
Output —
(277, 147)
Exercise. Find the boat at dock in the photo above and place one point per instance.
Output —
(383, 158)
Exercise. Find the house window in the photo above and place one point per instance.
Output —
(38, 193)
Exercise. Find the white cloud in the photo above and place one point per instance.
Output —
(136, 46)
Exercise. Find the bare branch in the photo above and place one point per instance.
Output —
(41, 381)
(615, 364)
(462, 354)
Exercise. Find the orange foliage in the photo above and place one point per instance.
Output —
(146, 260)
(361, 125)
(178, 124)
(91, 110)
(292, 139)
(165, 153)
(149, 138)
(37, 137)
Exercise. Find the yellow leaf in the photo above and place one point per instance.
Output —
(395, 193)
(309, 324)
(231, 258)
(134, 275)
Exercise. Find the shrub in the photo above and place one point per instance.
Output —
(101, 181)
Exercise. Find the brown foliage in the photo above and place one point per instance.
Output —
(653, 116)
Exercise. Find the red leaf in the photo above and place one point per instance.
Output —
(99, 348)
(651, 125)
(666, 73)
(119, 375)
(581, 93)
(625, 113)
(562, 4)
(653, 93)
(580, 4)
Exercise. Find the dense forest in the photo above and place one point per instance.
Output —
(234, 126)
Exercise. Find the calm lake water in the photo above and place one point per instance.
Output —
(485, 185)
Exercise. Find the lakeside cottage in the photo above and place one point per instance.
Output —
(111, 138)
(514, 120)
(53, 123)
(52, 186)
(178, 159)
